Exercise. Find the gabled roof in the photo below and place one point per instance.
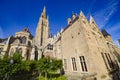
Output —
(77, 17)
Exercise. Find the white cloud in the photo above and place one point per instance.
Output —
(103, 16)
(114, 28)
(1, 32)
(117, 43)
(115, 33)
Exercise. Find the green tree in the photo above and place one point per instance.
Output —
(8, 69)
(47, 65)
(4, 67)
(56, 64)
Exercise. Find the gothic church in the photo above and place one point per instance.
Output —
(85, 50)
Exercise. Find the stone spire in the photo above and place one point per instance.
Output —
(42, 30)
(43, 15)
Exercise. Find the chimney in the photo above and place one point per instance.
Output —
(73, 16)
(69, 20)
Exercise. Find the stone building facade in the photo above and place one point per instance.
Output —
(85, 50)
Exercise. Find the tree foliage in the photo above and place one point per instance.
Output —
(48, 65)
(8, 68)
(20, 67)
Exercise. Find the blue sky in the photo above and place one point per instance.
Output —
(16, 14)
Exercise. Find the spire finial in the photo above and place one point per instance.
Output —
(44, 10)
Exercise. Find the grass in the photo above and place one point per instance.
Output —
(54, 78)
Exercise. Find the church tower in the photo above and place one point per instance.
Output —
(42, 30)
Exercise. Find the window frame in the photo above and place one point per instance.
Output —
(74, 65)
(83, 64)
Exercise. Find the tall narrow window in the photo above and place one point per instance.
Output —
(28, 55)
(104, 60)
(36, 55)
(83, 64)
(65, 64)
(108, 60)
(74, 64)
(23, 40)
(111, 62)
(1, 49)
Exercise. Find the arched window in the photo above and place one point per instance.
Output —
(23, 40)
(36, 54)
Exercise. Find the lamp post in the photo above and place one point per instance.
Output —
(51, 69)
